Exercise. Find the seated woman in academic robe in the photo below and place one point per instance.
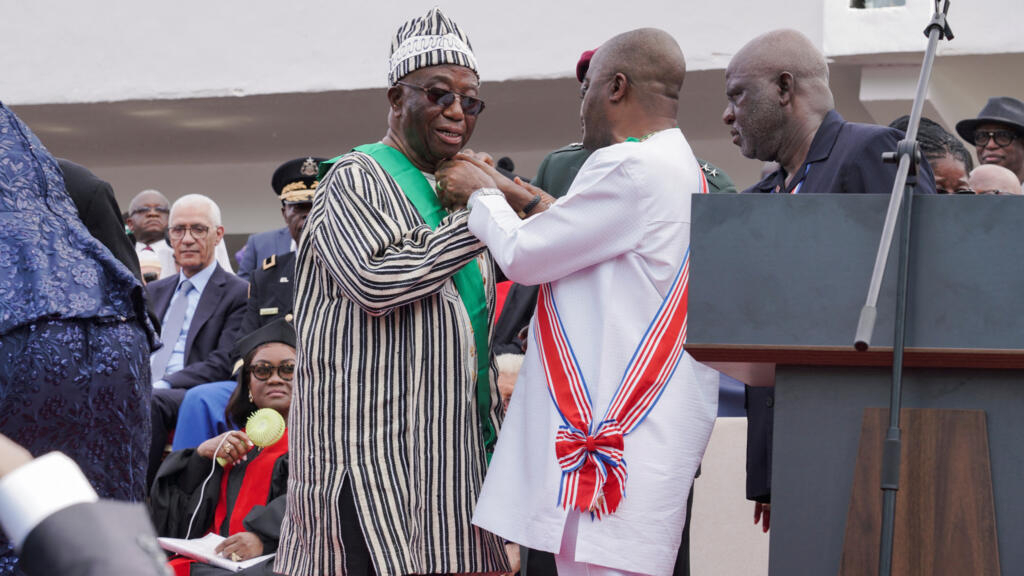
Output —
(242, 497)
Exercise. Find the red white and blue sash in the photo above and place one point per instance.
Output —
(592, 458)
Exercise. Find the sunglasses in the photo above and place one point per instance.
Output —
(264, 370)
(471, 105)
(1002, 137)
(148, 209)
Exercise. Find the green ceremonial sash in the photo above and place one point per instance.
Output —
(468, 280)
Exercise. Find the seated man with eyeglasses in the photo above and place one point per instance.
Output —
(202, 413)
(200, 311)
(147, 221)
(998, 134)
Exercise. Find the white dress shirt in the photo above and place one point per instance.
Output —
(33, 492)
(164, 253)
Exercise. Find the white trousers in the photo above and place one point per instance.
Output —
(566, 562)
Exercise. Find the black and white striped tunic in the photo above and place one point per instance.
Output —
(385, 390)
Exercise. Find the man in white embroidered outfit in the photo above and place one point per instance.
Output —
(608, 254)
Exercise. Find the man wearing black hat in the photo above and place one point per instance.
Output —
(297, 174)
(998, 134)
(395, 404)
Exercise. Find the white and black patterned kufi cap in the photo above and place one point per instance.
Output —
(429, 40)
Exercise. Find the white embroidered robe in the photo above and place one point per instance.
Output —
(610, 249)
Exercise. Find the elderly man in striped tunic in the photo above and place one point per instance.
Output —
(394, 409)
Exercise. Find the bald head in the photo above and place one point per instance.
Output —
(777, 87)
(147, 216)
(148, 197)
(650, 58)
(994, 179)
(631, 88)
(787, 51)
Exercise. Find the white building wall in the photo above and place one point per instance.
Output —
(979, 27)
(64, 51)
(59, 51)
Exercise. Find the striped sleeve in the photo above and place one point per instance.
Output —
(359, 240)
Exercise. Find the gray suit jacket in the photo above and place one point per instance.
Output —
(261, 246)
(104, 538)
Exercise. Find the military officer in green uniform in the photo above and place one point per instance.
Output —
(559, 168)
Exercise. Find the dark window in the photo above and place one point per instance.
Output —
(864, 4)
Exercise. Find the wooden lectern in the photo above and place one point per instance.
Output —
(776, 286)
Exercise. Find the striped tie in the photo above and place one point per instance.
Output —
(171, 331)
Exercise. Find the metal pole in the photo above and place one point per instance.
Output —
(900, 205)
(892, 445)
(866, 325)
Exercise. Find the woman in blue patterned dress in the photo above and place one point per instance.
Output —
(74, 336)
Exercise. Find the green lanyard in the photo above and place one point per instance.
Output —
(468, 280)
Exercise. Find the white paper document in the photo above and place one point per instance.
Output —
(202, 549)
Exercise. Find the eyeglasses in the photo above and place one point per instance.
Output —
(264, 370)
(1002, 137)
(471, 105)
(148, 209)
(198, 231)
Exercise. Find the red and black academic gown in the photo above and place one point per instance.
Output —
(251, 497)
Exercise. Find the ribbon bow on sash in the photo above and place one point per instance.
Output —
(593, 459)
(587, 459)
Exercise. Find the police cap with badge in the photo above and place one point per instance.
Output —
(295, 181)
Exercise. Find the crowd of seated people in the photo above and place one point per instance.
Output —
(228, 349)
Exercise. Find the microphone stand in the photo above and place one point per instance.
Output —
(908, 157)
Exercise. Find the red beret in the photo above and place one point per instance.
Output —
(583, 64)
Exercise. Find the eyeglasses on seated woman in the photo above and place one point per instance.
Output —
(244, 497)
